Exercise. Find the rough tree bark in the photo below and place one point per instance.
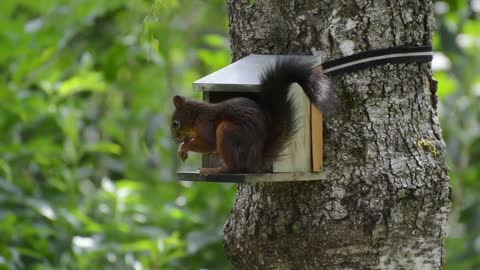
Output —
(385, 203)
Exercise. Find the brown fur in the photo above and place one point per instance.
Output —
(235, 128)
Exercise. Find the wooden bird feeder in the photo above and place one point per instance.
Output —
(302, 160)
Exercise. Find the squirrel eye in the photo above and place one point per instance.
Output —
(176, 124)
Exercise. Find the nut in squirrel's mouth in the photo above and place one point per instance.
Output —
(184, 140)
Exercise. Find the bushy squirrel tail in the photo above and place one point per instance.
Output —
(278, 106)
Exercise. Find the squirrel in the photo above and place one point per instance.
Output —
(249, 134)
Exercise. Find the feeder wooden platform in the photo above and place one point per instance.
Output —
(195, 176)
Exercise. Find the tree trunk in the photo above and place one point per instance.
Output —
(386, 200)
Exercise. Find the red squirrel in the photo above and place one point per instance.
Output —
(249, 134)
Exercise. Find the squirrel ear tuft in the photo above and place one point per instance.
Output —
(178, 101)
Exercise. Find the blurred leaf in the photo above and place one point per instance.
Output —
(104, 147)
(446, 85)
(85, 81)
(215, 41)
(6, 170)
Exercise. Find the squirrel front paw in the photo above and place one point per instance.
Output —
(208, 171)
(181, 153)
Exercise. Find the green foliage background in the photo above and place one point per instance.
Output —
(86, 167)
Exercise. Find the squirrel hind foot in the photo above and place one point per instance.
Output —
(218, 170)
